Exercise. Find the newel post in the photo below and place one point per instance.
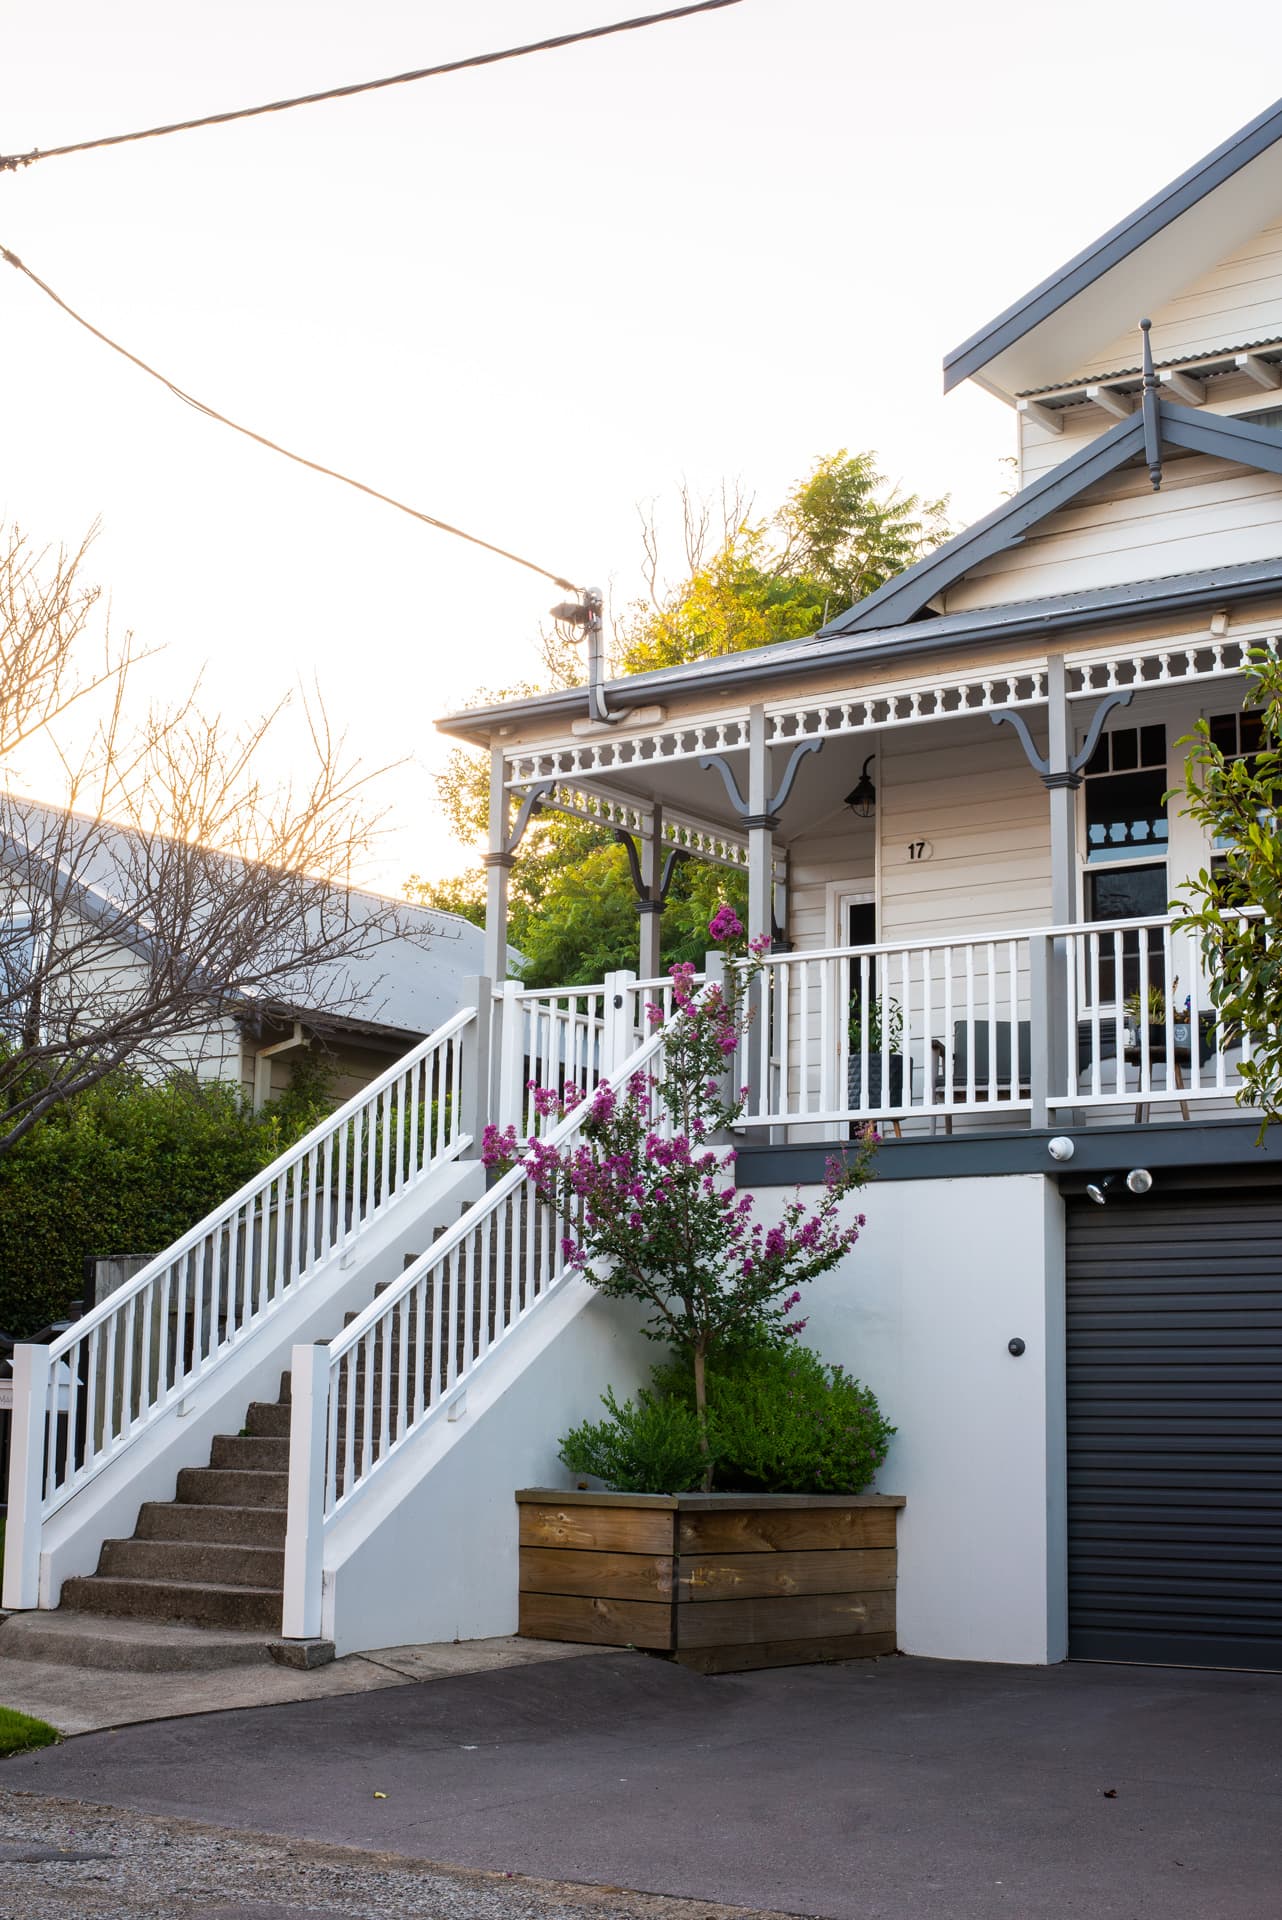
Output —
(508, 1063)
(305, 1520)
(32, 1373)
(618, 1036)
(475, 1042)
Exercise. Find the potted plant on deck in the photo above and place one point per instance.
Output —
(885, 1025)
(703, 1548)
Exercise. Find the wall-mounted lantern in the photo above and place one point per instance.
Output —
(863, 799)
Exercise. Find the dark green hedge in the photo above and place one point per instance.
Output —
(125, 1168)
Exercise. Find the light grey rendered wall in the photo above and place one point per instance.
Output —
(946, 1273)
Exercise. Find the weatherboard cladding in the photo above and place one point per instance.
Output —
(1113, 247)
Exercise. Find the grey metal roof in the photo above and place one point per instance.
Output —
(746, 674)
(1113, 247)
(409, 980)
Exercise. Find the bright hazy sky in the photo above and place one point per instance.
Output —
(524, 299)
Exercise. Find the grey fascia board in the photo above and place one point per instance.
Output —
(1178, 1152)
(1113, 247)
(909, 592)
(1061, 613)
(1221, 436)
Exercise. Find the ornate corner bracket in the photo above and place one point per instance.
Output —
(778, 800)
(1071, 775)
(647, 902)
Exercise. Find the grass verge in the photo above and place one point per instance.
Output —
(19, 1733)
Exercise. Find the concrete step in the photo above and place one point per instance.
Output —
(215, 1487)
(196, 1562)
(70, 1638)
(257, 1608)
(268, 1419)
(249, 1453)
(238, 1526)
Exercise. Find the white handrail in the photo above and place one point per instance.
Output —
(406, 1356)
(139, 1352)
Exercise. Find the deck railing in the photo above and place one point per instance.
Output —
(1022, 1023)
(81, 1401)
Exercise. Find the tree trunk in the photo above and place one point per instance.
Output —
(701, 1412)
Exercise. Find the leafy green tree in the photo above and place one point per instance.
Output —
(839, 535)
(1238, 799)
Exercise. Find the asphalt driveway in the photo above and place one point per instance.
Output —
(894, 1788)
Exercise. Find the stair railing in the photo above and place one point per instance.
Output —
(79, 1402)
(405, 1361)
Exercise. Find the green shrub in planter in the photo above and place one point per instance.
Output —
(650, 1445)
(779, 1421)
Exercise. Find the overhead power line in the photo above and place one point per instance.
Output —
(331, 473)
(10, 162)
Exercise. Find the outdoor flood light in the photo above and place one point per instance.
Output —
(1097, 1190)
(1139, 1180)
(862, 799)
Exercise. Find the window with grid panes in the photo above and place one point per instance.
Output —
(1127, 831)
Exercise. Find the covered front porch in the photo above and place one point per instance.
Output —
(964, 882)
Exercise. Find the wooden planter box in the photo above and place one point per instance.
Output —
(720, 1581)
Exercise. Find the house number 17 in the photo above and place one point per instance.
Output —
(919, 849)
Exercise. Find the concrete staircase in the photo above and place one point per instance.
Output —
(215, 1555)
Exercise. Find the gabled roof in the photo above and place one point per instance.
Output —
(907, 596)
(1133, 268)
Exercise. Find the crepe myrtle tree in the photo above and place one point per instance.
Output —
(649, 1205)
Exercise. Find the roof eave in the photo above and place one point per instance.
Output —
(1102, 255)
(1132, 601)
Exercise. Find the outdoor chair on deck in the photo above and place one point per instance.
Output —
(1111, 1031)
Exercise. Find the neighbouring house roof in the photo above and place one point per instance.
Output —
(909, 594)
(1137, 265)
(406, 984)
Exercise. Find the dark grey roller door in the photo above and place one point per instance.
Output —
(1175, 1428)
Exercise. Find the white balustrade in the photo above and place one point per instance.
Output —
(1139, 1022)
(1011, 1023)
(135, 1356)
(406, 1360)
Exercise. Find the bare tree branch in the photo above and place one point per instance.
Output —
(181, 884)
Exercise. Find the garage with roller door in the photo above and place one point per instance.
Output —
(1174, 1324)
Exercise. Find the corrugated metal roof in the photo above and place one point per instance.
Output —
(1069, 387)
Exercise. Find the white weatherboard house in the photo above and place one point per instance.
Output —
(980, 957)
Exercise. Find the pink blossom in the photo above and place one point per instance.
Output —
(725, 925)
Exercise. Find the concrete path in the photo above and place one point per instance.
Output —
(901, 1789)
(77, 1697)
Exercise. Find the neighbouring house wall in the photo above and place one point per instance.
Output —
(945, 1274)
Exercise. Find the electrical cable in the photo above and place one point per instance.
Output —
(415, 513)
(10, 162)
